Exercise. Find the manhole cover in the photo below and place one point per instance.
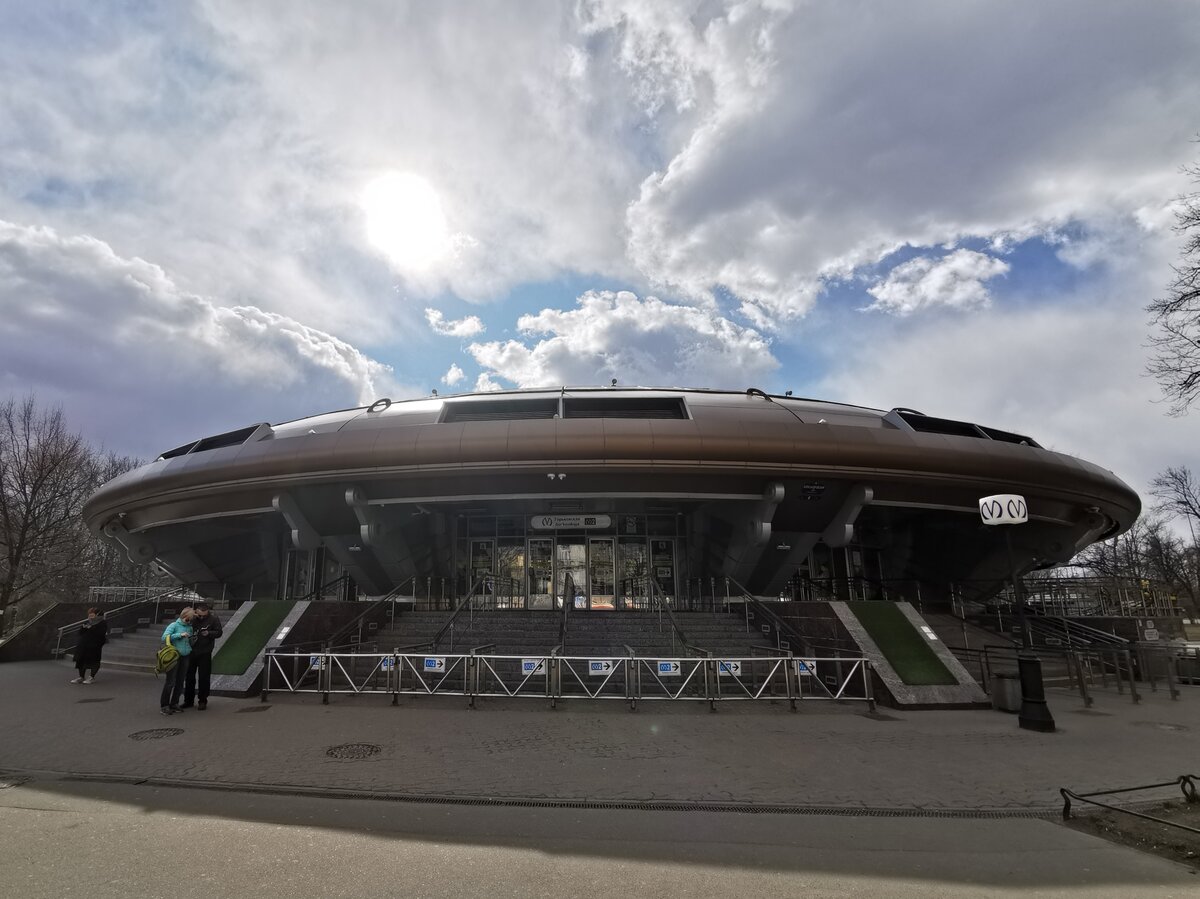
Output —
(255, 708)
(96, 699)
(353, 751)
(157, 733)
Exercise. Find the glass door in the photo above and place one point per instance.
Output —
(571, 572)
(601, 580)
(510, 564)
(632, 562)
(662, 565)
(541, 573)
(483, 562)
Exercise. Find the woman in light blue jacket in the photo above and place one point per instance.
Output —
(179, 635)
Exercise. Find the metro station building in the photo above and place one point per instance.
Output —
(586, 495)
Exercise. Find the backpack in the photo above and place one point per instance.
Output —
(166, 659)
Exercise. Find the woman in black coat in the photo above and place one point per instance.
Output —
(92, 636)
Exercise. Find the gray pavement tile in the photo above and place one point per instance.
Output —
(824, 756)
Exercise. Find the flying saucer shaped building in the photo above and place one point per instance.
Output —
(587, 495)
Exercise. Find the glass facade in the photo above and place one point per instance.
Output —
(590, 561)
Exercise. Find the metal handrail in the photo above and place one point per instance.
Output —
(1185, 782)
(781, 627)
(110, 614)
(465, 603)
(322, 589)
(660, 599)
(357, 621)
(566, 611)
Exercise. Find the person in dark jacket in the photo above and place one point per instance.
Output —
(206, 629)
(92, 636)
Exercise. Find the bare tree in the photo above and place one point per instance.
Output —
(1175, 318)
(46, 472)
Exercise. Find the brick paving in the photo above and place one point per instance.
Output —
(824, 755)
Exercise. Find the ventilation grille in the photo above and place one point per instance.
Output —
(927, 424)
(670, 407)
(229, 438)
(501, 410)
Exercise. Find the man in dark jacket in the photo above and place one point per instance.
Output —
(206, 628)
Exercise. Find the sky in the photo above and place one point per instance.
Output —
(218, 213)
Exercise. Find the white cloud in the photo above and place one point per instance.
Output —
(485, 384)
(453, 376)
(946, 122)
(140, 363)
(956, 280)
(637, 341)
(470, 326)
(1071, 374)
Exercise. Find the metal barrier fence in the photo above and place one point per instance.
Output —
(1086, 669)
(554, 677)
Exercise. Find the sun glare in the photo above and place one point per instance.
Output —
(405, 220)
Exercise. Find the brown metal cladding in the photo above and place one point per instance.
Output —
(728, 433)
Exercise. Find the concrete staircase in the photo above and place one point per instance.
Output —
(589, 633)
(132, 649)
(608, 633)
(512, 631)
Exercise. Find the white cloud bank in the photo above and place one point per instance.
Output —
(470, 326)
(637, 341)
(142, 364)
(956, 280)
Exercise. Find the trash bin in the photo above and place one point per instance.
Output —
(1006, 692)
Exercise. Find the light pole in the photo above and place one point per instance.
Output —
(1009, 510)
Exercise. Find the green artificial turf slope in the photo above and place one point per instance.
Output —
(901, 644)
(244, 644)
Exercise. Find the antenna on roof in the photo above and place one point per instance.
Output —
(613, 383)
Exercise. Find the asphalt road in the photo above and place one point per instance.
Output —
(63, 838)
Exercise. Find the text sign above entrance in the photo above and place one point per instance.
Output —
(563, 522)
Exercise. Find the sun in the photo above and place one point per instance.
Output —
(405, 220)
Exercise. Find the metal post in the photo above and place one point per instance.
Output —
(266, 687)
(1133, 693)
(1170, 666)
(326, 670)
(1035, 714)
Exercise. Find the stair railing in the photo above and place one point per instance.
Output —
(664, 606)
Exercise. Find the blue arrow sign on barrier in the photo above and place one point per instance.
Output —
(435, 663)
(668, 667)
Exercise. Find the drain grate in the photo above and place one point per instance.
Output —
(255, 708)
(157, 733)
(353, 751)
(96, 699)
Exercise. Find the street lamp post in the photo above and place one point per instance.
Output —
(1009, 510)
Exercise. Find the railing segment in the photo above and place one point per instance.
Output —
(554, 677)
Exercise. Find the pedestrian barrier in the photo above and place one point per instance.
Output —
(629, 678)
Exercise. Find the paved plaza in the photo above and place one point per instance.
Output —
(929, 805)
(824, 755)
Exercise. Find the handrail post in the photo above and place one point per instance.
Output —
(325, 668)
(1083, 690)
(1133, 693)
(1169, 663)
(266, 687)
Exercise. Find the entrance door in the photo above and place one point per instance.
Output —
(662, 566)
(541, 573)
(483, 563)
(632, 563)
(571, 572)
(601, 579)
